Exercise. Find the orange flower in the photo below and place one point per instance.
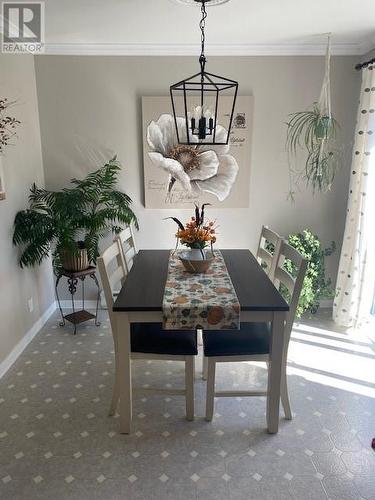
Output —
(196, 233)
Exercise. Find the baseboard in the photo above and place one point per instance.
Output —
(326, 304)
(89, 304)
(26, 339)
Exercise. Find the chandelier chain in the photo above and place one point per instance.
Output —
(202, 26)
(202, 93)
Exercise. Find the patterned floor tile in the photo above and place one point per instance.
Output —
(56, 440)
(341, 488)
(366, 486)
(362, 462)
(328, 464)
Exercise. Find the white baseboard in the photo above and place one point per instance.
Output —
(89, 304)
(326, 304)
(26, 339)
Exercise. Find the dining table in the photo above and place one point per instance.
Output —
(140, 300)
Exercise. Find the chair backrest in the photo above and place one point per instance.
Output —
(112, 273)
(292, 283)
(128, 246)
(265, 257)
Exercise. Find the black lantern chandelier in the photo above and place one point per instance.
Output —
(200, 97)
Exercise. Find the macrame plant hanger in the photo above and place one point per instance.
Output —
(324, 103)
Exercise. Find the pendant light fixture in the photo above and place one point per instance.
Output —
(198, 99)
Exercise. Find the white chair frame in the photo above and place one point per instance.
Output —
(113, 254)
(263, 256)
(266, 257)
(128, 246)
(294, 286)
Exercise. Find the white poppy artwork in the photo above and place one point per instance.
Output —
(178, 175)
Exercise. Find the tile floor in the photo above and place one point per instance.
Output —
(56, 441)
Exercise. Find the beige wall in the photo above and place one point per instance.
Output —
(90, 107)
(22, 165)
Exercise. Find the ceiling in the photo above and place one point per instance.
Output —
(238, 27)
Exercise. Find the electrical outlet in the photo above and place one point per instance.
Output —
(30, 304)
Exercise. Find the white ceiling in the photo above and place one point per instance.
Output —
(238, 27)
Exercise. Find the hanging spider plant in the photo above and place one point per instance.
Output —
(315, 131)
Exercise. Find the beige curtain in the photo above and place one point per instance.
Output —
(356, 277)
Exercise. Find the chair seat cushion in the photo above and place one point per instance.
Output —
(152, 339)
(252, 338)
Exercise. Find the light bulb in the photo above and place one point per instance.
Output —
(208, 113)
(198, 113)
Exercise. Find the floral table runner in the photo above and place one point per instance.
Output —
(206, 301)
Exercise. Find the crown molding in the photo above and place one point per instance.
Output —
(124, 49)
(367, 47)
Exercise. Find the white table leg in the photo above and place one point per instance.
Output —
(275, 372)
(124, 372)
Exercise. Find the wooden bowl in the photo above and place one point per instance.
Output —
(197, 266)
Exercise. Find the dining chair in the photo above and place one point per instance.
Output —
(125, 258)
(148, 340)
(128, 246)
(252, 342)
(265, 257)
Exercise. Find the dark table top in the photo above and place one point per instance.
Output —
(144, 287)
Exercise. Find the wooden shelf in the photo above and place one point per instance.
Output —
(79, 317)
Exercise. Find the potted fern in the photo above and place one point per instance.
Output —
(72, 221)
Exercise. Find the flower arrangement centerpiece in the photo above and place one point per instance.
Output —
(197, 234)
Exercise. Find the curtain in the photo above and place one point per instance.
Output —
(356, 276)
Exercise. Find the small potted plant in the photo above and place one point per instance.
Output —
(72, 221)
(197, 234)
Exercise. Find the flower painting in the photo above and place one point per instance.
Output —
(177, 175)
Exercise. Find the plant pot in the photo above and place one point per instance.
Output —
(75, 262)
(323, 127)
(195, 254)
(196, 266)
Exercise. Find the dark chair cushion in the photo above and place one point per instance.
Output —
(252, 338)
(152, 339)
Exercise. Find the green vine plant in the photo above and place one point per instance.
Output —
(315, 286)
(73, 218)
(315, 132)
